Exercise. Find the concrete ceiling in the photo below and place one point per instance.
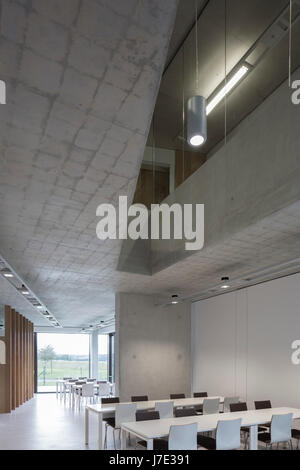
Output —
(73, 135)
(82, 78)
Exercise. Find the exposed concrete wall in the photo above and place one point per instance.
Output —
(152, 347)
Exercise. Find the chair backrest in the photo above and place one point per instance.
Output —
(82, 378)
(80, 382)
(72, 381)
(103, 388)
(146, 415)
(241, 406)
(262, 405)
(228, 401)
(228, 435)
(176, 396)
(200, 395)
(211, 406)
(67, 378)
(183, 437)
(181, 412)
(281, 427)
(91, 380)
(165, 409)
(106, 401)
(125, 413)
(87, 390)
(139, 398)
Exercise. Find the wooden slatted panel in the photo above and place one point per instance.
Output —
(13, 359)
(17, 374)
(17, 359)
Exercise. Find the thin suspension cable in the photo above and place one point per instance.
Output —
(153, 161)
(290, 44)
(197, 58)
(225, 60)
(183, 116)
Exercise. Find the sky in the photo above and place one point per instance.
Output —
(70, 343)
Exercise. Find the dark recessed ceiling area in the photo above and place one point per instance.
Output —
(246, 22)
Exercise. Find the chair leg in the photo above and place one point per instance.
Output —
(291, 444)
(105, 437)
(114, 439)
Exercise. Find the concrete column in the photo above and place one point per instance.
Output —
(94, 354)
(152, 347)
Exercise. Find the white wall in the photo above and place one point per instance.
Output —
(241, 343)
(152, 347)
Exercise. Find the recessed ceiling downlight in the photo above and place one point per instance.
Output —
(225, 281)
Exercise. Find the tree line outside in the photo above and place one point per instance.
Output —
(52, 366)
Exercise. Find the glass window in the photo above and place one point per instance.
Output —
(61, 355)
(103, 357)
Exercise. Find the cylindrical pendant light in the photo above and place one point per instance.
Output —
(196, 121)
(196, 106)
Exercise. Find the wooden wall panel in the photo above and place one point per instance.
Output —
(13, 359)
(18, 368)
(186, 165)
(17, 374)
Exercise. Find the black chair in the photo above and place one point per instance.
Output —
(109, 421)
(106, 401)
(241, 406)
(182, 412)
(296, 435)
(146, 415)
(263, 405)
(158, 444)
(139, 398)
(199, 408)
(176, 396)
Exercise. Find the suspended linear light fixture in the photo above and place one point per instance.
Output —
(196, 107)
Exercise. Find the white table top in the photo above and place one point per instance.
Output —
(146, 405)
(161, 427)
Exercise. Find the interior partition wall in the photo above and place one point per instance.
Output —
(247, 343)
(17, 361)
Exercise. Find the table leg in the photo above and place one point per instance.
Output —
(56, 389)
(100, 442)
(86, 426)
(150, 444)
(253, 438)
(123, 440)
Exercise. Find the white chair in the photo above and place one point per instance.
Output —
(165, 409)
(229, 401)
(211, 406)
(228, 435)
(183, 437)
(103, 389)
(85, 392)
(125, 413)
(281, 431)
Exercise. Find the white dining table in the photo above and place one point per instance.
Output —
(109, 410)
(74, 387)
(155, 429)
